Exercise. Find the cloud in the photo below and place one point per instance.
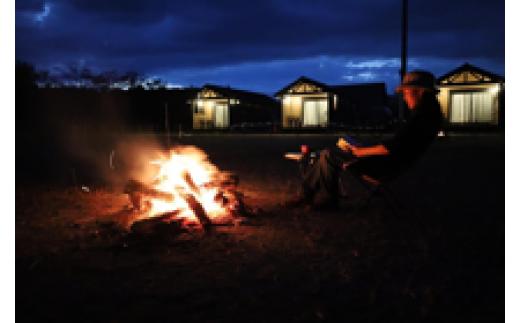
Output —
(270, 76)
(156, 36)
(41, 16)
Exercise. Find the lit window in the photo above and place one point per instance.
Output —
(472, 107)
(315, 113)
(494, 89)
(199, 106)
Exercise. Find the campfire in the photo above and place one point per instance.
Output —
(186, 187)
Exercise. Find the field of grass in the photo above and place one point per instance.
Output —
(440, 259)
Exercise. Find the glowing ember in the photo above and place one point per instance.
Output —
(189, 185)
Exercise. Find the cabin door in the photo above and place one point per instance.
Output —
(221, 115)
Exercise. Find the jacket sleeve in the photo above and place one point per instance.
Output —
(417, 134)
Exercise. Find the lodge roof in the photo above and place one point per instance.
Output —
(368, 93)
(302, 79)
(242, 95)
(466, 67)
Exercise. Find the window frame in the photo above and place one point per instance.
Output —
(470, 91)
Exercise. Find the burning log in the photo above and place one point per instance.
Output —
(186, 181)
(228, 179)
(221, 198)
(199, 211)
(136, 186)
(189, 180)
(136, 198)
(225, 180)
(163, 223)
(138, 191)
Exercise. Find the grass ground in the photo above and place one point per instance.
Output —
(440, 259)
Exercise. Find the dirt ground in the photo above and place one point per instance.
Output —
(440, 258)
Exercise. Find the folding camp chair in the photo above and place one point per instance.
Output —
(375, 187)
(380, 188)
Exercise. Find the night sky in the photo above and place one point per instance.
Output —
(259, 45)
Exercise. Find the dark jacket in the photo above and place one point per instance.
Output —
(409, 142)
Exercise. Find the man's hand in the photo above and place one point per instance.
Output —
(362, 151)
(344, 145)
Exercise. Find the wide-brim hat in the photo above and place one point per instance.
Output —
(418, 79)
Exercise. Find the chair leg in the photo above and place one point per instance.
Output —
(376, 188)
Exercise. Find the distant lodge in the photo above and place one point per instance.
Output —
(306, 103)
(469, 97)
(217, 107)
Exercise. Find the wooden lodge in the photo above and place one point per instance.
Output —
(217, 107)
(307, 103)
(471, 96)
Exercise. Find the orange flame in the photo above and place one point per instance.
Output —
(186, 170)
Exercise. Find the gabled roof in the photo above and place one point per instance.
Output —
(242, 95)
(302, 79)
(362, 94)
(476, 71)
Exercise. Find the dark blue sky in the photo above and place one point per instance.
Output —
(259, 45)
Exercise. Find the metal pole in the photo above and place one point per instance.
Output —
(404, 52)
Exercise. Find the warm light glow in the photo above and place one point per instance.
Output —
(292, 100)
(494, 89)
(186, 171)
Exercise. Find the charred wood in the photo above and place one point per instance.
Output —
(189, 180)
(199, 211)
(138, 192)
(162, 224)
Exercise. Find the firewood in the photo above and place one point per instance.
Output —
(224, 180)
(189, 180)
(229, 179)
(199, 211)
(135, 188)
(220, 197)
(166, 216)
(153, 225)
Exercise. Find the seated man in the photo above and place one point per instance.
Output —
(320, 180)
